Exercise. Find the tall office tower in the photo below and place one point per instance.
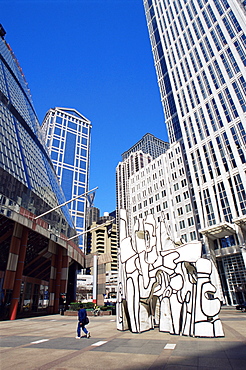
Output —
(199, 49)
(149, 144)
(67, 134)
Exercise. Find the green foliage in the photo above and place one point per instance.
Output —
(74, 306)
(105, 308)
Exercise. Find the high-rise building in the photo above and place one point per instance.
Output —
(38, 262)
(199, 49)
(198, 185)
(67, 133)
(102, 242)
(133, 160)
(93, 214)
(149, 144)
(134, 163)
(102, 239)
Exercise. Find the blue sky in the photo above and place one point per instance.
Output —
(94, 56)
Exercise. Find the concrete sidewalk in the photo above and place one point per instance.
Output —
(49, 342)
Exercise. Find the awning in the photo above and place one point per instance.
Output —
(218, 230)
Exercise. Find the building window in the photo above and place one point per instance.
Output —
(226, 65)
(176, 187)
(190, 221)
(209, 208)
(240, 51)
(192, 235)
(226, 210)
(228, 27)
(225, 107)
(241, 193)
(180, 211)
(188, 207)
(178, 199)
(239, 96)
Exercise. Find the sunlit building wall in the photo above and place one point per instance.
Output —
(199, 50)
(132, 164)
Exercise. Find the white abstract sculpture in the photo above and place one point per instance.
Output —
(164, 284)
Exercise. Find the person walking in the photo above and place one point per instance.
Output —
(83, 320)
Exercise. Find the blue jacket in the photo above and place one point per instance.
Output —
(82, 314)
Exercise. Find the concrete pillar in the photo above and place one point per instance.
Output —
(101, 283)
(52, 248)
(58, 278)
(94, 296)
(52, 283)
(18, 275)
(12, 265)
(14, 249)
(64, 271)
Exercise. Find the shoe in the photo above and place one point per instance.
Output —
(88, 334)
(77, 337)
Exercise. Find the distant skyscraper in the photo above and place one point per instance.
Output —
(149, 144)
(93, 215)
(67, 133)
(199, 49)
(102, 239)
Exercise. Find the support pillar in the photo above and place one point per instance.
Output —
(58, 278)
(13, 258)
(18, 275)
(94, 297)
(15, 266)
(52, 283)
(52, 248)
(64, 272)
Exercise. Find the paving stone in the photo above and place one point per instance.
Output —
(213, 363)
(122, 350)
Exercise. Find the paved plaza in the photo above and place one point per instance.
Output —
(48, 342)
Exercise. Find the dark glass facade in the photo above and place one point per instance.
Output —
(27, 174)
(38, 262)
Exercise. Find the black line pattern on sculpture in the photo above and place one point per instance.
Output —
(165, 284)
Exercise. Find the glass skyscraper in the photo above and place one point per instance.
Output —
(38, 261)
(67, 133)
(26, 171)
(199, 49)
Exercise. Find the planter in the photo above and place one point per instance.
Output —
(89, 313)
